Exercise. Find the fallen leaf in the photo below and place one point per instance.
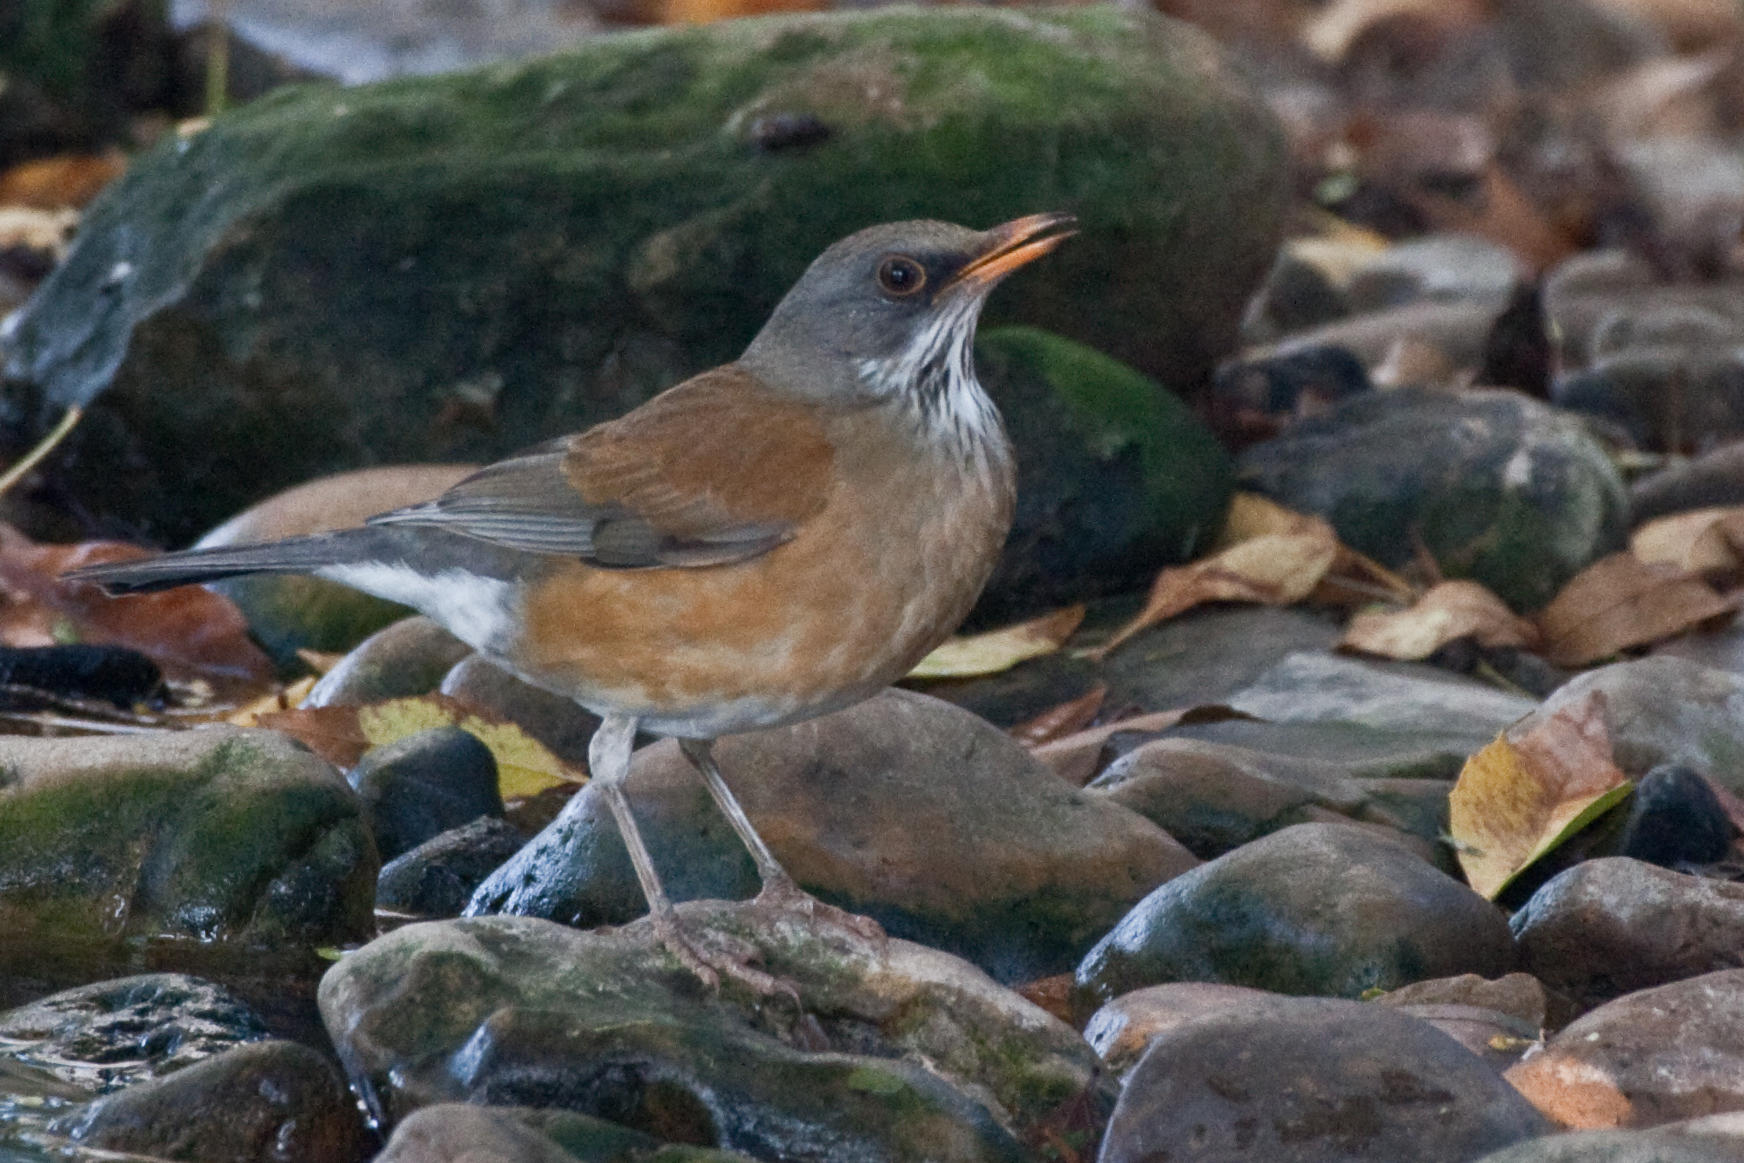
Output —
(1621, 601)
(1709, 542)
(341, 735)
(1062, 720)
(1518, 799)
(1000, 650)
(1269, 555)
(69, 180)
(190, 632)
(1448, 612)
(1074, 757)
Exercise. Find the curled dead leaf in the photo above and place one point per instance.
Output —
(1518, 799)
(975, 655)
(1709, 542)
(1449, 611)
(1059, 721)
(1621, 601)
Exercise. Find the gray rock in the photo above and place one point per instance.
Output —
(1314, 909)
(1653, 1056)
(1611, 926)
(1122, 1030)
(1662, 395)
(1663, 709)
(1712, 479)
(596, 225)
(1402, 698)
(562, 725)
(1303, 1080)
(101, 1037)
(409, 657)
(436, 878)
(1667, 1144)
(258, 1103)
(904, 808)
(1519, 995)
(1213, 797)
(1498, 487)
(424, 784)
(1457, 329)
(221, 833)
(1436, 266)
(905, 1053)
(463, 1133)
(1675, 820)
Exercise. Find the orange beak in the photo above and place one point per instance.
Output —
(1010, 246)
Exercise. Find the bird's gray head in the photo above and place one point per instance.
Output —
(889, 313)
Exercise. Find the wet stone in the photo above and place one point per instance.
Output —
(265, 1101)
(904, 808)
(1649, 1057)
(904, 1052)
(409, 657)
(1675, 819)
(1303, 1080)
(463, 1133)
(1328, 909)
(424, 784)
(1122, 1030)
(436, 878)
(1610, 926)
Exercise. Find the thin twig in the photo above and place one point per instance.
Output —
(43, 447)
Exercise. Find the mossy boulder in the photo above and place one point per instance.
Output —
(455, 267)
(897, 1051)
(219, 834)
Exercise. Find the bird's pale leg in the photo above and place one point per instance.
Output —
(779, 887)
(608, 757)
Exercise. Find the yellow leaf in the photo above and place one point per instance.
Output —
(1514, 802)
(1000, 650)
(525, 766)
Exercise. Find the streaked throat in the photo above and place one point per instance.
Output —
(933, 380)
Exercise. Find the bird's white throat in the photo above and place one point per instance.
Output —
(933, 380)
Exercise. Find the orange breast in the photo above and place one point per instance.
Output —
(882, 573)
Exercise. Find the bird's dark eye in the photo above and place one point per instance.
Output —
(901, 277)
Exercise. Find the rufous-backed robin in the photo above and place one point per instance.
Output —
(771, 540)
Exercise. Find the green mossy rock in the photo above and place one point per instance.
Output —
(221, 834)
(456, 267)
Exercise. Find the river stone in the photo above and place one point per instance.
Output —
(1663, 709)
(1675, 820)
(222, 833)
(1122, 1030)
(436, 878)
(1328, 909)
(1213, 797)
(904, 1052)
(453, 1132)
(420, 786)
(1609, 926)
(1649, 1057)
(1498, 487)
(903, 808)
(456, 267)
(264, 1102)
(1673, 1143)
(408, 657)
(1306, 1080)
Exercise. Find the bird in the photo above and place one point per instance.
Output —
(771, 540)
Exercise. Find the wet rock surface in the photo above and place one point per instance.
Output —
(420, 786)
(907, 1052)
(438, 877)
(1314, 909)
(1312, 1079)
(903, 808)
(409, 657)
(1653, 1056)
(463, 1133)
(1499, 488)
(220, 834)
(1611, 926)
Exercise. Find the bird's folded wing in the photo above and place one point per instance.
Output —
(716, 470)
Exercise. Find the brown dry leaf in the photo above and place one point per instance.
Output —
(1517, 800)
(1449, 611)
(1621, 601)
(1000, 650)
(1059, 721)
(341, 735)
(191, 632)
(70, 180)
(1270, 555)
(1709, 542)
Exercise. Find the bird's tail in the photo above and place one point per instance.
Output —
(293, 555)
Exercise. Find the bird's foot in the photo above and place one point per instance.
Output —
(710, 965)
(783, 893)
